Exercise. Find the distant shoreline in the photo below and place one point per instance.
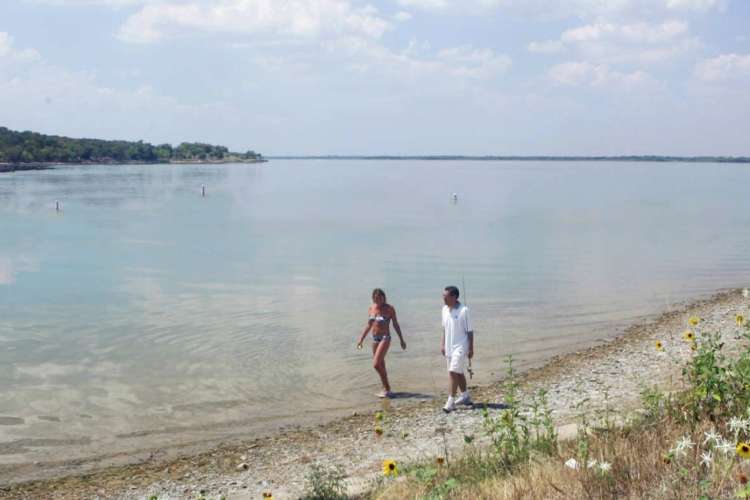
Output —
(19, 167)
(646, 158)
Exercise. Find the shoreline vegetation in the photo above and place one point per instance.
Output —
(688, 436)
(21, 167)
(33, 151)
(617, 158)
(625, 419)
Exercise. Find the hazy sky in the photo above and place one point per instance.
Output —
(385, 76)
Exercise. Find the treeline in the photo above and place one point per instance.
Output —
(31, 147)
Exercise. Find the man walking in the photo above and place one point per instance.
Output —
(457, 345)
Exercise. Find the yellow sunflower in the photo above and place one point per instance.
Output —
(268, 495)
(693, 346)
(379, 416)
(694, 320)
(688, 336)
(659, 346)
(743, 450)
(740, 319)
(390, 468)
(379, 431)
(440, 461)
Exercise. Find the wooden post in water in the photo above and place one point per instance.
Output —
(203, 190)
(57, 205)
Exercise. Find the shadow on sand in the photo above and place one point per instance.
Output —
(410, 395)
(489, 406)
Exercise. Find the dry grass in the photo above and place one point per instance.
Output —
(637, 454)
(683, 445)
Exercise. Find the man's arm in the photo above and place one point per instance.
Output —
(442, 343)
(469, 332)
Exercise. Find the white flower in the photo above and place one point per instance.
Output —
(591, 464)
(737, 424)
(725, 447)
(684, 444)
(711, 436)
(707, 459)
(572, 464)
(734, 424)
(605, 467)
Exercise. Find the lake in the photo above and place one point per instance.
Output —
(144, 315)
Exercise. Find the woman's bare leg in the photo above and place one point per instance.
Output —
(379, 351)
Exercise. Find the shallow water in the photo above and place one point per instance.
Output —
(145, 315)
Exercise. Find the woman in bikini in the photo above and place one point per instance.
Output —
(379, 319)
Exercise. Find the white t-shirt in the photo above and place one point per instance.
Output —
(457, 326)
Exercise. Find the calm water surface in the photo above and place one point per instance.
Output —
(144, 315)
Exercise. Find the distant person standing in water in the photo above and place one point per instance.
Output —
(457, 346)
(379, 318)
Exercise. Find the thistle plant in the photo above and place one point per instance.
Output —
(520, 429)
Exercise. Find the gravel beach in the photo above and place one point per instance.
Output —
(612, 374)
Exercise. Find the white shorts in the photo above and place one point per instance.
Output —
(458, 359)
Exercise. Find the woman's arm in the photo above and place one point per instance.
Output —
(366, 331)
(397, 327)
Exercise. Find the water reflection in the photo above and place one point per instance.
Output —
(12, 266)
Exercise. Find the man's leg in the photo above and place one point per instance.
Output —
(461, 382)
(464, 398)
(453, 383)
(452, 386)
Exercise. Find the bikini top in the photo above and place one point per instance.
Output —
(379, 318)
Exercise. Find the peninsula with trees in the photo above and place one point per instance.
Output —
(31, 150)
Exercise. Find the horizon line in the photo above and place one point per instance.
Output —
(642, 158)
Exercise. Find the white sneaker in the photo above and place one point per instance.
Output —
(450, 405)
(464, 399)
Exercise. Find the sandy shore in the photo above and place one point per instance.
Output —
(412, 430)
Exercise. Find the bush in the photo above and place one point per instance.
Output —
(325, 483)
(520, 431)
